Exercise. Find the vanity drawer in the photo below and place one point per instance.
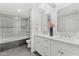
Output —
(47, 48)
(39, 45)
(47, 43)
(40, 51)
(60, 52)
(69, 49)
(44, 46)
(47, 51)
(65, 52)
(55, 51)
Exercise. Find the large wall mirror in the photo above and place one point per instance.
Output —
(44, 23)
(68, 19)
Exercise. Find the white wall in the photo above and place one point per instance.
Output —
(62, 5)
(35, 22)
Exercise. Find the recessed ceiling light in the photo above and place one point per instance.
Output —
(19, 10)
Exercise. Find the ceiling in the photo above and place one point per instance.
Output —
(23, 9)
(62, 5)
(17, 9)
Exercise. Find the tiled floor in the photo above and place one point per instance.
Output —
(18, 51)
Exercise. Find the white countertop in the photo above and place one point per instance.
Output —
(74, 41)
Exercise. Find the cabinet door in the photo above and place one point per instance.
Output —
(39, 45)
(54, 51)
(36, 42)
(63, 49)
(46, 47)
(42, 46)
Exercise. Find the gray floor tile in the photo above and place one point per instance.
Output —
(18, 51)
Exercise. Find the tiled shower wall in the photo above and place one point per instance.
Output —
(13, 27)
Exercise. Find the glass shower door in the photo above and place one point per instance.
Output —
(12, 27)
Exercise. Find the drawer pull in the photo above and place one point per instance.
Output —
(60, 52)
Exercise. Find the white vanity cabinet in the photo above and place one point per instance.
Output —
(42, 45)
(47, 46)
(38, 45)
(59, 48)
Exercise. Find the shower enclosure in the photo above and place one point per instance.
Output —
(13, 28)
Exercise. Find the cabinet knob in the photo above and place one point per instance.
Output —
(46, 47)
